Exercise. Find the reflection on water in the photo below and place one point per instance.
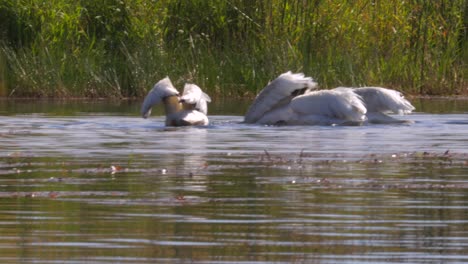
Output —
(103, 186)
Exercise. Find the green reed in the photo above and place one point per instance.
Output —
(120, 48)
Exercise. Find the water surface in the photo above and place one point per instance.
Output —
(88, 182)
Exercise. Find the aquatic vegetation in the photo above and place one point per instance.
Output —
(118, 48)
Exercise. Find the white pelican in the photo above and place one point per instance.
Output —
(290, 99)
(380, 101)
(189, 109)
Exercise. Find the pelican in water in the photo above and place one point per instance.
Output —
(292, 99)
(381, 101)
(189, 109)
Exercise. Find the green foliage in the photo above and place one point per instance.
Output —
(115, 48)
(18, 25)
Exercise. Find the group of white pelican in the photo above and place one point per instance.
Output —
(290, 99)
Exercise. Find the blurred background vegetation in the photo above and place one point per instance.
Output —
(120, 48)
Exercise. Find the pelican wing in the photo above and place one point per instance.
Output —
(383, 100)
(161, 89)
(340, 105)
(194, 95)
(202, 106)
(278, 93)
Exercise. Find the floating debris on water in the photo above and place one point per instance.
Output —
(115, 169)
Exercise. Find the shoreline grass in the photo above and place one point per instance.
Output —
(120, 48)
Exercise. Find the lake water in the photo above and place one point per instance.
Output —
(92, 182)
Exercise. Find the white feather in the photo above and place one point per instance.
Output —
(281, 115)
(332, 104)
(383, 100)
(289, 100)
(278, 93)
(380, 101)
(202, 106)
(175, 114)
(193, 117)
(324, 107)
(194, 95)
(160, 90)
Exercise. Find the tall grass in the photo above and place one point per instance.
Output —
(119, 48)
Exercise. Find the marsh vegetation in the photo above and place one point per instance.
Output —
(120, 48)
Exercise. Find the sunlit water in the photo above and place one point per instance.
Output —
(92, 182)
